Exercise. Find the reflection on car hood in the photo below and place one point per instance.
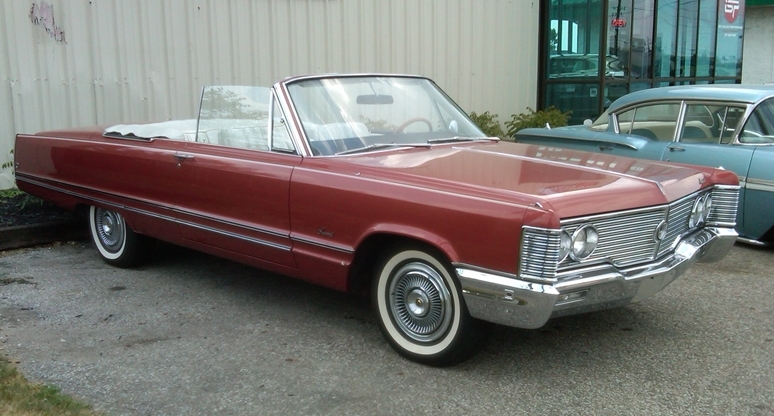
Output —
(570, 182)
(580, 132)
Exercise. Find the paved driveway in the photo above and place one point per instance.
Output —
(193, 334)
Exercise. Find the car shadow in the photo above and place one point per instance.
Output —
(602, 337)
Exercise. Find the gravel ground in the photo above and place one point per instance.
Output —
(190, 334)
(24, 209)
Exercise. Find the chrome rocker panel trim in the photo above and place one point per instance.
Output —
(505, 300)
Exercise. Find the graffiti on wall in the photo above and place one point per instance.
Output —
(43, 15)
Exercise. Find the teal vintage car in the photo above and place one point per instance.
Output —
(729, 126)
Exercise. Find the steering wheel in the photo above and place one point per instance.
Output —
(411, 121)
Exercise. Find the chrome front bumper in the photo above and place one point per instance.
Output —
(510, 301)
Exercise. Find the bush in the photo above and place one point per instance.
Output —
(551, 116)
(488, 124)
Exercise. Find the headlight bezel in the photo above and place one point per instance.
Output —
(700, 211)
(565, 245)
(584, 241)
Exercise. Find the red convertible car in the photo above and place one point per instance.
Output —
(380, 184)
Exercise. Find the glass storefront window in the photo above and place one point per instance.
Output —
(641, 49)
(705, 49)
(573, 39)
(581, 98)
(685, 59)
(614, 92)
(619, 21)
(665, 47)
(596, 51)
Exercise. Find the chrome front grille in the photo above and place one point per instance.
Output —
(679, 212)
(539, 253)
(725, 202)
(625, 238)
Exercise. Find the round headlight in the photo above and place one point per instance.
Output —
(565, 244)
(584, 241)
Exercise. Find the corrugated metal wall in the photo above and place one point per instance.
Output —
(111, 61)
(758, 35)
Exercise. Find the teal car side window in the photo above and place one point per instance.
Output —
(656, 122)
(710, 124)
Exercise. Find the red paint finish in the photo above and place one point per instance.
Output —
(307, 217)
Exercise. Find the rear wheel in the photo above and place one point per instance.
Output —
(420, 308)
(117, 244)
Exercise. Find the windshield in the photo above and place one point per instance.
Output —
(350, 114)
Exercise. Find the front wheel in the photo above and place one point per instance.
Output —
(420, 309)
(117, 244)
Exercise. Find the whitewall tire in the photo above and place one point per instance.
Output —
(117, 244)
(420, 309)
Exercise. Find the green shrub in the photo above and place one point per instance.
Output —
(488, 124)
(551, 116)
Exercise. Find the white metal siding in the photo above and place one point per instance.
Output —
(143, 60)
(758, 46)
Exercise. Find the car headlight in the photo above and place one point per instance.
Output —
(565, 245)
(700, 211)
(584, 242)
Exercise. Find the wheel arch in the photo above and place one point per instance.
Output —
(368, 251)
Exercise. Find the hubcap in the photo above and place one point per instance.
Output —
(110, 229)
(420, 302)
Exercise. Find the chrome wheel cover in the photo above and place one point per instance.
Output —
(110, 229)
(420, 302)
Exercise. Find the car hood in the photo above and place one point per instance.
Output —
(569, 182)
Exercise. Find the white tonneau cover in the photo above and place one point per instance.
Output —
(173, 129)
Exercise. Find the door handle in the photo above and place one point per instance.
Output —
(183, 156)
(676, 149)
(605, 147)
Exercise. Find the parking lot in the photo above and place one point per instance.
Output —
(193, 334)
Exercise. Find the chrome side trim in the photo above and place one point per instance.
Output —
(760, 184)
(224, 222)
(28, 179)
(235, 235)
(752, 242)
(340, 249)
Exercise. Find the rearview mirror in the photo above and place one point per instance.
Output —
(374, 99)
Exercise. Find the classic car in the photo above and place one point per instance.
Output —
(381, 185)
(728, 126)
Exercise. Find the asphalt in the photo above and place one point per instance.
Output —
(191, 334)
